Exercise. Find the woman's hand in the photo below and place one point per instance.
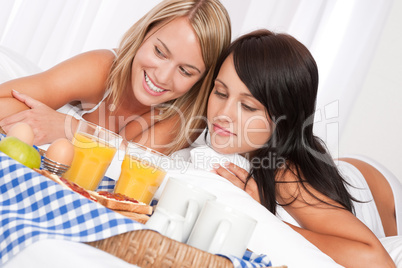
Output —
(47, 124)
(238, 177)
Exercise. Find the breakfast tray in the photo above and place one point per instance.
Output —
(147, 248)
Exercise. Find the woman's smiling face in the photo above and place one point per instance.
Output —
(168, 63)
(237, 122)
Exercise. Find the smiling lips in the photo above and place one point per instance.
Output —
(151, 88)
(221, 131)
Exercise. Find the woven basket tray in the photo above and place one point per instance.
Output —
(146, 248)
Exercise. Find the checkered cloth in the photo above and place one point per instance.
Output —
(106, 184)
(33, 207)
(250, 260)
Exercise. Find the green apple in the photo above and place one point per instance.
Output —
(21, 152)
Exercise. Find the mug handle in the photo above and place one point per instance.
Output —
(157, 222)
(191, 214)
(219, 237)
(171, 228)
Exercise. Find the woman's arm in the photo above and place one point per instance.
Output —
(82, 78)
(334, 230)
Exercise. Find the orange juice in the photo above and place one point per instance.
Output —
(91, 160)
(139, 179)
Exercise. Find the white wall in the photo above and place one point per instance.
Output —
(374, 127)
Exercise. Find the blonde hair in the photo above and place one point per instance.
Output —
(211, 23)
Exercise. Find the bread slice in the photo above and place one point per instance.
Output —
(66, 183)
(111, 201)
(123, 206)
(141, 218)
(51, 176)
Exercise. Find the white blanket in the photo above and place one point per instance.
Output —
(271, 236)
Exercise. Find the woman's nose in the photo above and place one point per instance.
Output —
(164, 74)
(229, 110)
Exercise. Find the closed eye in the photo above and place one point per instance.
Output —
(159, 53)
(219, 94)
(248, 108)
(184, 71)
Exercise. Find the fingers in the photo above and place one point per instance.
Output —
(238, 177)
(27, 116)
(237, 171)
(8, 122)
(221, 171)
(30, 102)
(252, 190)
(233, 173)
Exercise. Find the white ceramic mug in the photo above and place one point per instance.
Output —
(184, 199)
(168, 224)
(220, 229)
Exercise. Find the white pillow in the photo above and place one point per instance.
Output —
(393, 245)
(14, 65)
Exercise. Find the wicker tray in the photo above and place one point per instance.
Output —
(147, 248)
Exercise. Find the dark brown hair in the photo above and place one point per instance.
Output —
(281, 73)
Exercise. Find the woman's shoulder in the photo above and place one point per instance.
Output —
(292, 188)
(100, 58)
(102, 54)
(287, 173)
(84, 75)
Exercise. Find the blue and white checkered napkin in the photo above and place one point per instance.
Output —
(250, 260)
(33, 207)
(106, 184)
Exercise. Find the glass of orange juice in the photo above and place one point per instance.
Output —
(141, 172)
(94, 149)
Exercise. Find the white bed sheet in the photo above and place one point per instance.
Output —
(271, 236)
(51, 253)
(393, 245)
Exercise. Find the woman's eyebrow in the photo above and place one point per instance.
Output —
(170, 53)
(247, 94)
(221, 82)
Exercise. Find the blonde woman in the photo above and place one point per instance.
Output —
(149, 90)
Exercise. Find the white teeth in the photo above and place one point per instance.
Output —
(152, 86)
